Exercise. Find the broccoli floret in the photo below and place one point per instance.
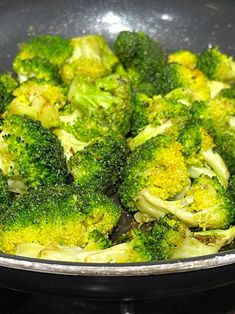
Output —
(38, 68)
(169, 238)
(150, 166)
(52, 48)
(38, 100)
(5, 196)
(99, 166)
(91, 57)
(216, 65)
(143, 59)
(183, 57)
(7, 86)
(32, 152)
(217, 116)
(98, 107)
(200, 153)
(58, 215)
(161, 115)
(179, 76)
(216, 237)
(206, 205)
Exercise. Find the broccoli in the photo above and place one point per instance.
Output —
(217, 116)
(178, 76)
(39, 100)
(58, 215)
(38, 68)
(32, 152)
(69, 142)
(5, 196)
(52, 48)
(160, 115)
(98, 107)
(91, 56)
(167, 239)
(200, 153)
(99, 166)
(216, 65)
(206, 204)
(183, 57)
(159, 166)
(7, 85)
(143, 59)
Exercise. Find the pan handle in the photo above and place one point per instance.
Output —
(127, 307)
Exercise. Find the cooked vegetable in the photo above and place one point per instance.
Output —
(153, 131)
(30, 153)
(58, 215)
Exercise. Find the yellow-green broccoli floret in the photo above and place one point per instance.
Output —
(183, 57)
(59, 215)
(39, 100)
(158, 166)
(91, 56)
(216, 65)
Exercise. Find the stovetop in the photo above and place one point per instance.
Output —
(216, 301)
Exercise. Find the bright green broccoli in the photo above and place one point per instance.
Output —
(58, 215)
(31, 153)
(216, 65)
(39, 100)
(217, 116)
(178, 76)
(91, 56)
(157, 115)
(7, 85)
(51, 48)
(99, 166)
(167, 239)
(143, 59)
(37, 67)
(5, 196)
(97, 107)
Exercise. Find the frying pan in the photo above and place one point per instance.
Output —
(177, 24)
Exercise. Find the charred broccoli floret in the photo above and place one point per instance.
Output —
(58, 215)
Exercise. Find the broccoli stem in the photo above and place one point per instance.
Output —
(149, 132)
(156, 207)
(215, 161)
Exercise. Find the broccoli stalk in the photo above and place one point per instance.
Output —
(168, 239)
